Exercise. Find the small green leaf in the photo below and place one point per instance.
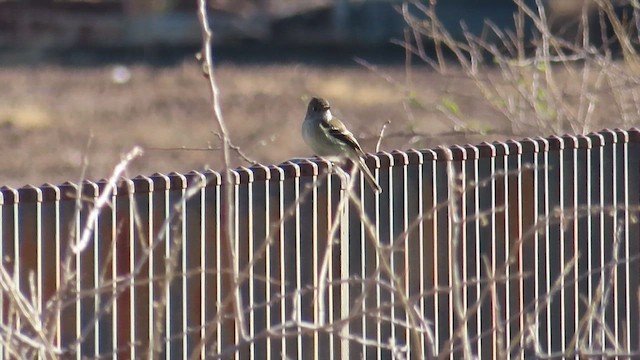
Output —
(451, 105)
(478, 127)
(414, 102)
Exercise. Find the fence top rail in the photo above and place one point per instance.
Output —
(173, 181)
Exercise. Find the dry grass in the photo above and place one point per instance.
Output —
(48, 113)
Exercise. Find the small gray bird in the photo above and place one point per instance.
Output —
(328, 136)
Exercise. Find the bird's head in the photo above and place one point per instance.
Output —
(318, 106)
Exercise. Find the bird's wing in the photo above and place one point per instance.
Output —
(336, 129)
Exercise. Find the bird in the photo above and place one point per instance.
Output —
(328, 136)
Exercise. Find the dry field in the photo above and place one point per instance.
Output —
(52, 117)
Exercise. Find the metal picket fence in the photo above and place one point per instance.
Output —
(517, 249)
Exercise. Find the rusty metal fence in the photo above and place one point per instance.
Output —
(521, 249)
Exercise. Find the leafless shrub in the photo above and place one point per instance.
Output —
(545, 83)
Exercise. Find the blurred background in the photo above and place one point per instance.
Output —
(82, 82)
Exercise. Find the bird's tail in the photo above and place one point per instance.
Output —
(368, 175)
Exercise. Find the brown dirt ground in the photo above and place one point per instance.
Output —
(53, 116)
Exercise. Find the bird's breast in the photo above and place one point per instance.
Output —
(318, 140)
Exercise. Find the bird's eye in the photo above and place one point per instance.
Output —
(315, 108)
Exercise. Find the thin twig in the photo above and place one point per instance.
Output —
(382, 129)
(228, 234)
(112, 183)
